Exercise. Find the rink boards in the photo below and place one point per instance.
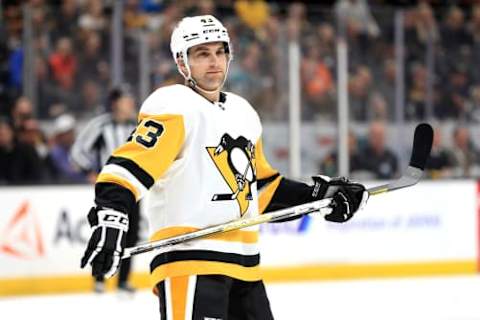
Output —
(430, 229)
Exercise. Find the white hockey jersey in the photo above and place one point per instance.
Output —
(200, 162)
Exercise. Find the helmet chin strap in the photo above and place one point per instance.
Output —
(193, 84)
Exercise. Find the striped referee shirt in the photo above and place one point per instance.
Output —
(97, 141)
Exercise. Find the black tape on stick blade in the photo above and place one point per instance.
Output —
(422, 145)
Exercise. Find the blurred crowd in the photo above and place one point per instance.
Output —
(371, 156)
(72, 68)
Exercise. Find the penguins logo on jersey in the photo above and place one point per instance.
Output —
(235, 159)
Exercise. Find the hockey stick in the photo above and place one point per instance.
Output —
(422, 144)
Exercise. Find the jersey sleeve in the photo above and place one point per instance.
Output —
(268, 179)
(275, 191)
(136, 165)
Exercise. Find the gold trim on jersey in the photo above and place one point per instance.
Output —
(233, 236)
(155, 143)
(178, 295)
(111, 178)
(266, 194)
(264, 169)
(190, 267)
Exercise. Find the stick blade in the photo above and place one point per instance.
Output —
(422, 145)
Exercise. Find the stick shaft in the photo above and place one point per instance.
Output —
(229, 226)
(412, 176)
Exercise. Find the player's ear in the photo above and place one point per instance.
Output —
(181, 65)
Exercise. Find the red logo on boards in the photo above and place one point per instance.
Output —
(21, 237)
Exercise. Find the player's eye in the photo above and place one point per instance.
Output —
(202, 53)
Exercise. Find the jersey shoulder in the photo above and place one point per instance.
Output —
(242, 104)
(238, 100)
(172, 99)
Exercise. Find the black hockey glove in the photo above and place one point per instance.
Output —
(107, 241)
(348, 197)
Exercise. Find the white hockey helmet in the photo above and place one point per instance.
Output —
(192, 31)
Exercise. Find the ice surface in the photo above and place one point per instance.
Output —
(448, 298)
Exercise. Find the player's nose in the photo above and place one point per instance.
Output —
(214, 60)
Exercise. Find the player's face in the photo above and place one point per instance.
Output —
(208, 64)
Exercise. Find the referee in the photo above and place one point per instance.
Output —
(91, 150)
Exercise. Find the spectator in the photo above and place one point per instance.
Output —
(13, 22)
(32, 135)
(22, 110)
(357, 12)
(386, 86)
(329, 165)
(204, 7)
(5, 90)
(317, 80)
(94, 62)
(424, 29)
(245, 77)
(376, 158)
(63, 64)
(254, 14)
(327, 43)
(456, 92)
(15, 68)
(456, 41)
(152, 6)
(474, 26)
(170, 15)
(466, 155)
(19, 162)
(91, 100)
(65, 20)
(473, 104)
(93, 19)
(377, 107)
(441, 160)
(63, 137)
(133, 17)
(474, 29)
(415, 108)
(297, 22)
(360, 28)
(359, 88)
(43, 21)
(56, 110)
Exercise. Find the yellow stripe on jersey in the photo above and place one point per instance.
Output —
(233, 236)
(178, 294)
(155, 144)
(110, 178)
(264, 169)
(184, 268)
(266, 194)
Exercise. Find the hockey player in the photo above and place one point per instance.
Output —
(197, 151)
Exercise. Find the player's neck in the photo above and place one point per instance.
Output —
(212, 96)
